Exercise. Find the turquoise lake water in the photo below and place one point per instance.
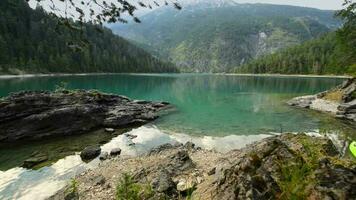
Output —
(215, 105)
(213, 111)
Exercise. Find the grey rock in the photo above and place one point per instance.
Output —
(161, 148)
(99, 180)
(180, 161)
(90, 153)
(335, 182)
(189, 145)
(255, 171)
(115, 152)
(212, 171)
(163, 183)
(34, 115)
(104, 155)
(186, 186)
(303, 101)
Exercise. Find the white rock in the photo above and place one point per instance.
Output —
(325, 106)
(109, 130)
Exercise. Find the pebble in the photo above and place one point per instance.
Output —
(109, 130)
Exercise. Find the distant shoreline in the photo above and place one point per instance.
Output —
(225, 74)
(49, 75)
(290, 75)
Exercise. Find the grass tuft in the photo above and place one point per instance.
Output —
(335, 96)
(127, 189)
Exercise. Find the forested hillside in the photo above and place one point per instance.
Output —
(32, 41)
(320, 56)
(216, 37)
(333, 53)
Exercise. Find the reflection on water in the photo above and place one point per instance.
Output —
(214, 105)
(19, 183)
(13, 154)
(210, 110)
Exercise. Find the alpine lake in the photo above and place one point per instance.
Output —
(204, 105)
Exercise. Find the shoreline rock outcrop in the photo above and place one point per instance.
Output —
(280, 167)
(339, 101)
(33, 115)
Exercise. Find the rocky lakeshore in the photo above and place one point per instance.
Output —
(339, 101)
(288, 166)
(35, 115)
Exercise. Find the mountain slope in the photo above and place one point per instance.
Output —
(319, 56)
(216, 37)
(31, 41)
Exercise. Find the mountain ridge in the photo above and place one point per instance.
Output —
(217, 39)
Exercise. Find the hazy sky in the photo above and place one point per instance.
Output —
(321, 4)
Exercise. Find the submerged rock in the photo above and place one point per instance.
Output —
(42, 114)
(36, 159)
(89, 153)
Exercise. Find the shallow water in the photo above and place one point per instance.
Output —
(210, 110)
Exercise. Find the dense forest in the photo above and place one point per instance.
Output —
(33, 41)
(210, 36)
(324, 55)
(334, 53)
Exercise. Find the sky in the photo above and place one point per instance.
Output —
(321, 4)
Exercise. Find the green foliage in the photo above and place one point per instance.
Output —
(218, 38)
(320, 56)
(297, 175)
(347, 34)
(73, 187)
(294, 181)
(33, 41)
(127, 189)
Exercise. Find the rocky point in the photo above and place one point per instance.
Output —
(33, 115)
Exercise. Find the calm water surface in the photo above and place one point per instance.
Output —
(213, 111)
(215, 105)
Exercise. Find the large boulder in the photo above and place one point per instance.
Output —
(89, 153)
(42, 114)
(281, 167)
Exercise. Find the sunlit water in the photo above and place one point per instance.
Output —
(210, 110)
